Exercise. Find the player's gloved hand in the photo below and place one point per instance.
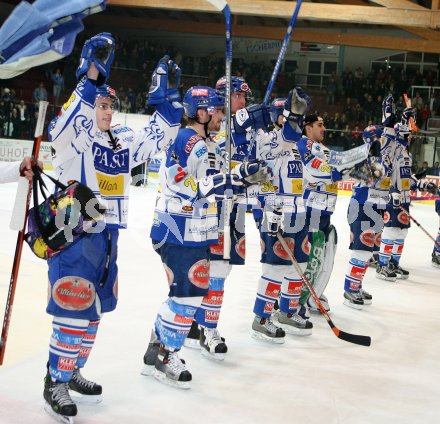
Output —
(396, 199)
(272, 220)
(341, 175)
(252, 172)
(100, 49)
(296, 106)
(254, 117)
(407, 114)
(361, 171)
(165, 73)
(219, 187)
(377, 170)
(388, 111)
(428, 186)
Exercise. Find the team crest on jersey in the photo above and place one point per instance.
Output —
(73, 293)
(367, 238)
(240, 247)
(198, 274)
(403, 217)
(279, 249)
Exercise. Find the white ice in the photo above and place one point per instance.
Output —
(316, 379)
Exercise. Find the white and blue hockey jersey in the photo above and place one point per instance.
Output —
(103, 160)
(181, 216)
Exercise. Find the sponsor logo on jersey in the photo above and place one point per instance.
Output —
(316, 163)
(192, 141)
(120, 130)
(66, 364)
(240, 247)
(69, 102)
(293, 303)
(109, 185)
(405, 172)
(355, 286)
(367, 238)
(385, 183)
(405, 183)
(279, 249)
(388, 249)
(215, 298)
(357, 272)
(67, 346)
(403, 217)
(183, 320)
(170, 274)
(272, 290)
(73, 293)
(84, 352)
(198, 274)
(201, 151)
(217, 249)
(294, 288)
(109, 161)
(294, 169)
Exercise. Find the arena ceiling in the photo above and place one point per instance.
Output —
(360, 23)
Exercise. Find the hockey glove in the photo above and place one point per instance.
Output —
(252, 172)
(396, 199)
(296, 106)
(160, 89)
(254, 117)
(388, 111)
(428, 186)
(361, 171)
(272, 220)
(377, 170)
(100, 50)
(219, 187)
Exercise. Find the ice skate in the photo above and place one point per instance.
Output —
(368, 299)
(85, 391)
(435, 260)
(402, 274)
(59, 404)
(193, 339)
(213, 346)
(313, 307)
(171, 370)
(151, 355)
(295, 324)
(265, 329)
(385, 273)
(353, 300)
(373, 260)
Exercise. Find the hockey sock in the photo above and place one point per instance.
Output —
(397, 250)
(174, 320)
(267, 292)
(290, 294)
(87, 343)
(385, 252)
(64, 348)
(357, 267)
(209, 312)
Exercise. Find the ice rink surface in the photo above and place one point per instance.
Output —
(316, 379)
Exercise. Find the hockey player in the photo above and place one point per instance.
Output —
(184, 226)
(368, 203)
(436, 252)
(396, 219)
(85, 147)
(283, 211)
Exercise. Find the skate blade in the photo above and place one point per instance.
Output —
(382, 277)
(161, 377)
(260, 336)
(435, 265)
(296, 331)
(218, 357)
(402, 277)
(368, 302)
(85, 399)
(147, 370)
(192, 344)
(352, 305)
(58, 417)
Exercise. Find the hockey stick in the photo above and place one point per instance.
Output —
(223, 6)
(23, 191)
(348, 337)
(411, 121)
(282, 53)
(420, 226)
(278, 63)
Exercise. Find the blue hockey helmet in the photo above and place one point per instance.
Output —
(277, 108)
(238, 85)
(202, 97)
(105, 90)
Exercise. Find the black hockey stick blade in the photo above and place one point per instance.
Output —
(353, 338)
